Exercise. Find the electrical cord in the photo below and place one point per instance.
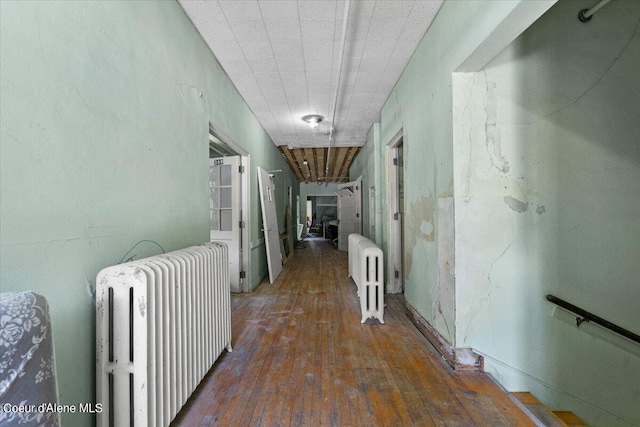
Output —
(134, 246)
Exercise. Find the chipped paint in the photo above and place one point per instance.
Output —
(426, 228)
(419, 225)
(138, 275)
(192, 96)
(515, 204)
(447, 192)
(540, 210)
(142, 306)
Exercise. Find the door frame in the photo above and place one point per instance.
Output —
(245, 204)
(395, 261)
(357, 191)
(372, 213)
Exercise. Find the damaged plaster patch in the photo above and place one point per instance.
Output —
(515, 204)
(426, 228)
(493, 140)
(448, 192)
(419, 226)
(191, 95)
(540, 210)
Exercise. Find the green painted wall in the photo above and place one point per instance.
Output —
(103, 142)
(547, 188)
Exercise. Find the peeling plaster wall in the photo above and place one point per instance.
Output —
(547, 185)
(420, 105)
(103, 142)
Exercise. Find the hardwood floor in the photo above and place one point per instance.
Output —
(302, 358)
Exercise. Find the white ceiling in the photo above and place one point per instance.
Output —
(283, 57)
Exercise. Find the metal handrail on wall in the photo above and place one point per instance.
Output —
(590, 317)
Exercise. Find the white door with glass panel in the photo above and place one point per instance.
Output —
(224, 211)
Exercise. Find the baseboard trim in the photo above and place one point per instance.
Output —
(459, 359)
(468, 360)
(429, 332)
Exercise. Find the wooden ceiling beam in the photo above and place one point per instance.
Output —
(344, 171)
(308, 156)
(321, 155)
(299, 155)
(295, 167)
(341, 167)
(336, 162)
(299, 166)
(315, 169)
(333, 173)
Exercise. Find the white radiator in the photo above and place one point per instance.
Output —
(354, 257)
(366, 269)
(161, 322)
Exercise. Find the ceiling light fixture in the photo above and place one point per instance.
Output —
(313, 120)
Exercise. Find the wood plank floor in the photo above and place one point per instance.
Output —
(302, 358)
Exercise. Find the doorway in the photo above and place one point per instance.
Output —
(372, 213)
(349, 211)
(224, 211)
(299, 225)
(229, 198)
(309, 214)
(395, 156)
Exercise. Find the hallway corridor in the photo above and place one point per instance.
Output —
(302, 358)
